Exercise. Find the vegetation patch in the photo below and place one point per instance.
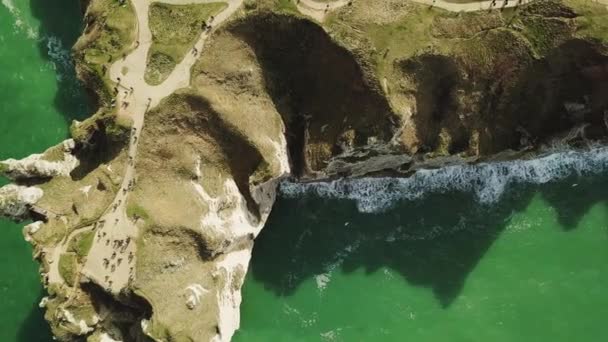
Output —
(414, 32)
(278, 6)
(175, 29)
(108, 124)
(68, 267)
(110, 34)
(81, 244)
(285, 6)
(54, 154)
(135, 211)
(592, 20)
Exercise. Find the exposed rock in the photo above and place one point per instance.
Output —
(36, 166)
(16, 200)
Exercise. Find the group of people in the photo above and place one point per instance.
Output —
(206, 27)
(127, 92)
(119, 248)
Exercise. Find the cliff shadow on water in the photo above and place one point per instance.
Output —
(34, 328)
(433, 242)
(60, 26)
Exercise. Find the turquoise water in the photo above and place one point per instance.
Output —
(531, 266)
(38, 98)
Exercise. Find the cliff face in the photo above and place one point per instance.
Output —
(147, 218)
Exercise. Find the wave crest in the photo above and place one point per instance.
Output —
(487, 181)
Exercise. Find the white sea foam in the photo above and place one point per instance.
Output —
(59, 55)
(20, 25)
(487, 181)
(322, 280)
(9, 5)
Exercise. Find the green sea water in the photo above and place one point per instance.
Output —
(530, 267)
(38, 98)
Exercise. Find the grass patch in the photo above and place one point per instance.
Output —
(116, 128)
(3, 168)
(136, 211)
(111, 31)
(279, 6)
(67, 267)
(286, 6)
(395, 40)
(81, 244)
(175, 29)
(545, 34)
(114, 32)
(54, 154)
(119, 129)
(593, 19)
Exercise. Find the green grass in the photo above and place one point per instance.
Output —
(175, 29)
(3, 168)
(393, 41)
(286, 6)
(405, 37)
(116, 128)
(593, 19)
(117, 32)
(278, 6)
(134, 210)
(67, 267)
(81, 244)
(111, 35)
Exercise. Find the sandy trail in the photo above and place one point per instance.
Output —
(319, 10)
(53, 274)
(473, 6)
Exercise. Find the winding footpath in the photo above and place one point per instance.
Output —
(318, 10)
(472, 6)
(110, 262)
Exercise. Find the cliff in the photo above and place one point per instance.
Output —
(145, 220)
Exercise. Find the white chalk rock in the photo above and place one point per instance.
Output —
(35, 166)
(15, 199)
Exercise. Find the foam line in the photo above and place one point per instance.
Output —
(487, 181)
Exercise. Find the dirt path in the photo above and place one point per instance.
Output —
(472, 6)
(111, 260)
(319, 10)
(53, 274)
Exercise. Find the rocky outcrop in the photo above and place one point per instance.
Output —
(16, 201)
(58, 161)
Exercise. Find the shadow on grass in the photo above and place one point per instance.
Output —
(434, 242)
(60, 27)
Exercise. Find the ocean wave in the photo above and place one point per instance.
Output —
(10, 6)
(20, 25)
(60, 56)
(487, 181)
